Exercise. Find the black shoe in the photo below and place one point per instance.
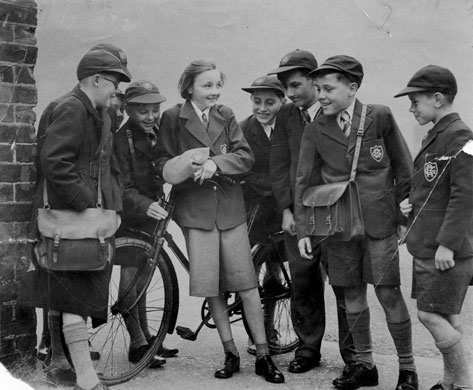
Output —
(265, 367)
(439, 386)
(136, 354)
(230, 366)
(357, 376)
(302, 364)
(407, 380)
(167, 352)
(61, 376)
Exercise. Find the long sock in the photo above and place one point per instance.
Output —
(143, 316)
(401, 332)
(76, 337)
(58, 357)
(261, 350)
(359, 324)
(132, 321)
(230, 346)
(456, 370)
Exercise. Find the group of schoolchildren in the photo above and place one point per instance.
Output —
(279, 151)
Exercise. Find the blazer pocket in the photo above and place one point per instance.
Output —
(373, 155)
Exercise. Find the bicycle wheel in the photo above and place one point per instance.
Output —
(274, 284)
(134, 267)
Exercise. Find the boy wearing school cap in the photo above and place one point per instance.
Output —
(383, 171)
(135, 147)
(74, 133)
(440, 218)
(307, 301)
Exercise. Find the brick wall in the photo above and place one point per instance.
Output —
(18, 96)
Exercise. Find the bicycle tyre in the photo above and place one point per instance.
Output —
(274, 284)
(111, 340)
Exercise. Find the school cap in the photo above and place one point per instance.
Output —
(266, 82)
(112, 49)
(99, 61)
(296, 59)
(431, 78)
(143, 92)
(119, 93)
(343, 64)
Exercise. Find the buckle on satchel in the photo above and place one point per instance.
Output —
(312, 220)
(328, 220)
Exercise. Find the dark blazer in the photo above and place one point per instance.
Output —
(197, 206)
(383, 173)
(445, 217)
(285, 154)
(141, 186)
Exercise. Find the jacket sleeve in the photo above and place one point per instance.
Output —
(167, 145)
(459, 211)
(63, 137)
(280, 164)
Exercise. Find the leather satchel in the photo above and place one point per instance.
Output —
(333, 211)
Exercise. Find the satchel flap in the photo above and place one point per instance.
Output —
(324, 195)
(75, 225)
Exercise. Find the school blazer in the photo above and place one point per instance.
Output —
(383, 173)
(284, 154)
(204, 207)
(447, 214)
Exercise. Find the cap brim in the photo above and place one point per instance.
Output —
(262, 87)
(283, 69)
(124, 74)
(408, 90)
(148, 98)
(323, 67)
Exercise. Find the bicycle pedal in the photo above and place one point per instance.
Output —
(186, 333)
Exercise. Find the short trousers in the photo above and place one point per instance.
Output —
(441, 291)
(220, 261)
(372, 261)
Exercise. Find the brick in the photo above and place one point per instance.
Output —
(6, 73)
(7, 274)
(19, 12)
(7, 346)
(25, 314)
(25, 94)
(6, 192)
(18, 53)
(24, 75)
(17, 172)
(6, 33)
(6, 312)
(6, 115)
(6, 154)
(22, 134)
(13, 230)
(15, 252)
(25, 114)
(15, 212)
(24, 192)
(25, 35)
(8, 292)
(26, 343)
(25, 152)
(6, 93)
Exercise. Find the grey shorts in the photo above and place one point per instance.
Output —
(441, 291)
(372, 261)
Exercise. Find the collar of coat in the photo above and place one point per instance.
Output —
(82, 96)
(140, 140)
(206, 136)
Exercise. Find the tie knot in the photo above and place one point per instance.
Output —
(345, 122)
(204, 118)
(305, 116)
(151, 137)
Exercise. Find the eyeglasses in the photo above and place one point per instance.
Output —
(115, 84)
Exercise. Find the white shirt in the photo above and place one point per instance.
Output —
(268, 129)
(199, 112)
(350, 109)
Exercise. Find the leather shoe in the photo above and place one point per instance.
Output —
(61, 376)
(265, 366)
(162, 350)
(230, 366)
(407, 380)
(136, 354)
(357, 376)
(439, 386)
(302, 364)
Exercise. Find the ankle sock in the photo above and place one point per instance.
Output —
(359, 324)
(230, 346)
(261, 350)
(401, 333)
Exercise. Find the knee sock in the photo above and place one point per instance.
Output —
(230, 346)
(58, 357)
(77, 340)
(359, 324)
(261, 350)
(132, 321)
(456, 370)
(401, 333)
(143, 316)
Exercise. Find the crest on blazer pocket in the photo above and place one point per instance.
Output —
(377, 153)
(224, 148)
(431, 170)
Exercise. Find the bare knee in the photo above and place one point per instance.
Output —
(390, 297)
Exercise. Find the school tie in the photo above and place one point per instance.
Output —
(305, 116)
(345, 123)
(204, 118)
(271, 132)
(151, 137)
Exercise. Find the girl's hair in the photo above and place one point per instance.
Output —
(186, 81)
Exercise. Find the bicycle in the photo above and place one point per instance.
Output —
(146, 254)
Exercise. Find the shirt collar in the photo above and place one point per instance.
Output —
(312, 110)
(199, 112)
(268, 128)
(350, 109)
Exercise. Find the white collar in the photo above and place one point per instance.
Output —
(268, 129)
(312, 110)
(199, 112)
(350, 109)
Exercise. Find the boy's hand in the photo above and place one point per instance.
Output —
(401, 233)
(156, 211)
(288, 223)
(444, 258)
(405, 207)
(206, 172)
(305, 248)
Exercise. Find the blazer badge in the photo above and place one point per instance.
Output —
(377, 153)
(431, 170)
(223, 148)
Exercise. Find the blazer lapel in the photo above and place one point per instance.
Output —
(194, 125)
(330, 128)
(355, 123)
(217, 124)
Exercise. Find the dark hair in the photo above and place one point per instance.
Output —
(186, 81)
(342, 77)
(282, 77)
(449, 97)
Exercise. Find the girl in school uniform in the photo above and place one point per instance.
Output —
(213, 218)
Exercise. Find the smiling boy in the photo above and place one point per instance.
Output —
(383, 171)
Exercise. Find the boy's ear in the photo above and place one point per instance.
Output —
(439, 99)
(353, 89)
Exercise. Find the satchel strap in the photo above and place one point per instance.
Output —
(134, 168)
(359, 136)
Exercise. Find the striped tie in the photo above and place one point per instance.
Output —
(345, 123)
